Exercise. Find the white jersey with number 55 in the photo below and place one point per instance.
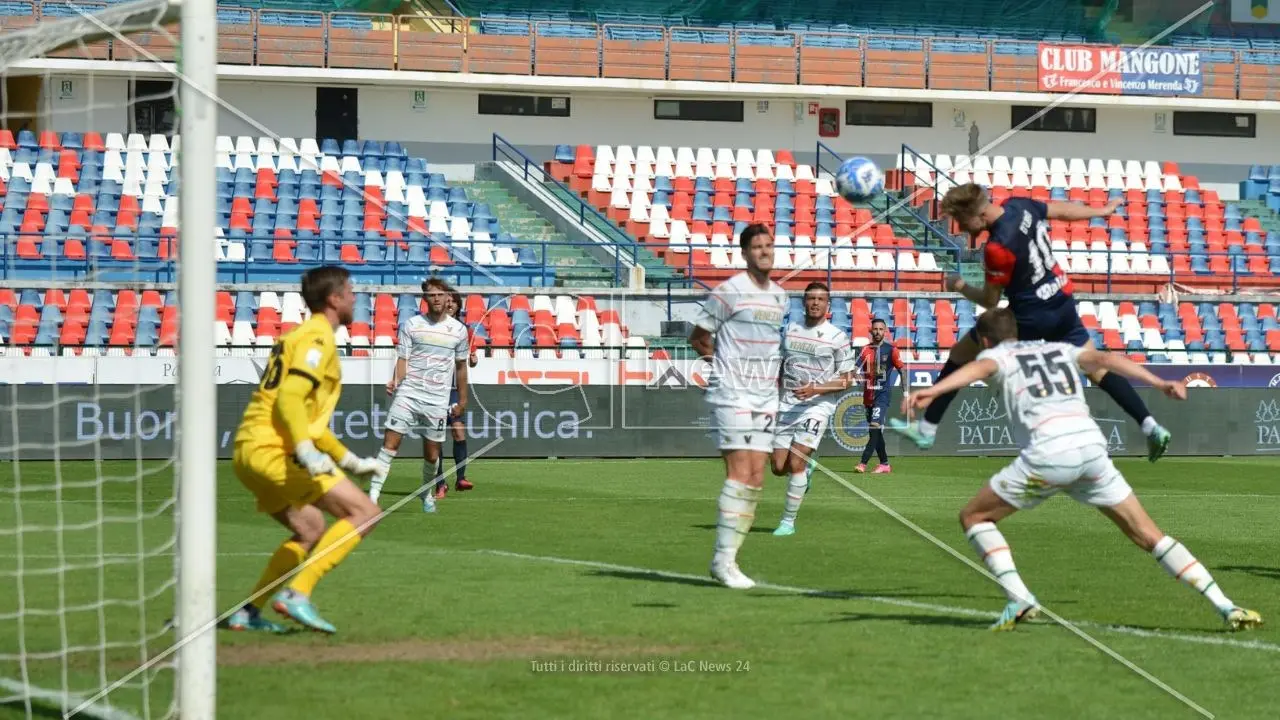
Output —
(1044, 396)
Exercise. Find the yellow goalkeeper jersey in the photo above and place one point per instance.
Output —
(307, 350)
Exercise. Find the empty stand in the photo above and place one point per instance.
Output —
(1168, 228)
(87, 204)
(688, 205)
(988, 45)
(248, 323)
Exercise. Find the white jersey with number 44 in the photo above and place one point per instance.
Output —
(1044, 396)
(813, 356)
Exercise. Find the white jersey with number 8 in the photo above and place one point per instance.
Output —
(1044, 397)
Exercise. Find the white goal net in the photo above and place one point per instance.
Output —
(105, 596)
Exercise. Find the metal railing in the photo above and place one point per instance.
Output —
(622, 245)
(828, 264)
(934, 235)
(674, 348)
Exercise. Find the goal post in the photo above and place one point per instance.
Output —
(92, 623)
(197, 452)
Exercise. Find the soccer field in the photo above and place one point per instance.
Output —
(578, 588)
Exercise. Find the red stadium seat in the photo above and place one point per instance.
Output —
(440, 255)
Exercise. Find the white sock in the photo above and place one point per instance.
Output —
(795, 495)
(385, 457)
(987, 540)
(1149, 425)
(737, 506)
(1176, 560)
(429, 474)
(927, 428)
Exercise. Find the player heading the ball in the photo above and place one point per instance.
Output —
(1019, 264)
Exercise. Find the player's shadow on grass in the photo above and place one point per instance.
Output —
(654, 577)
(868, 595)
(754, 529)
(1262, 571)
(953, 620)
(765, 592)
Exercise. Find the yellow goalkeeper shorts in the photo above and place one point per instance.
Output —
(276, 480)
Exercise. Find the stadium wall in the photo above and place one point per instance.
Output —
(132, 422)
(447, 127)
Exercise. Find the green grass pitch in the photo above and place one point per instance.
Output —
(559, 588)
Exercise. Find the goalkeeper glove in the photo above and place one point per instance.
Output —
(357, 465)
(316, 462)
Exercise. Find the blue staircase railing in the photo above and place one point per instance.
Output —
(623, 245)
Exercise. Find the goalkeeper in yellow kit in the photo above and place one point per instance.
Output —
(285, 454)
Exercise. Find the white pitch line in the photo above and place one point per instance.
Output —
(948, 609)
(1219, 640)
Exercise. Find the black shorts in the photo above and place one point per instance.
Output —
(1060, 323)
(878, 410)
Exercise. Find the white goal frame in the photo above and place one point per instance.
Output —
(197, 384)
(196, 72)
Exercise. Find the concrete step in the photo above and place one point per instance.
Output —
(573, 266)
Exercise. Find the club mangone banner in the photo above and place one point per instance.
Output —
(1100, 70)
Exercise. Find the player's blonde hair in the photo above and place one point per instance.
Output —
(964, 201)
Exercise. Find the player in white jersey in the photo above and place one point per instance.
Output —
(432, 351)
(817, 360)
(740, 329)
(1063, 450)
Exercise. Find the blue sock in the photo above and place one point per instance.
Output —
(933, 414)
(873, 442)
(459, 459)
(1121, 390)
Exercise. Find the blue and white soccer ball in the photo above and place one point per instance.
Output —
(858, 179)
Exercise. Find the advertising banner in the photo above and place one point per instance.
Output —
(531, 371)
(128, 422)
(1100, 70)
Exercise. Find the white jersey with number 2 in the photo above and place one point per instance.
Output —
(746, 321)
(1044, 397)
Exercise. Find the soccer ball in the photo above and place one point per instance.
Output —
(859, 179)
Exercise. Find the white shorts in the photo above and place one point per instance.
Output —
(1085, 473)
(408, 413)
(738, 429)
(802, 425)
